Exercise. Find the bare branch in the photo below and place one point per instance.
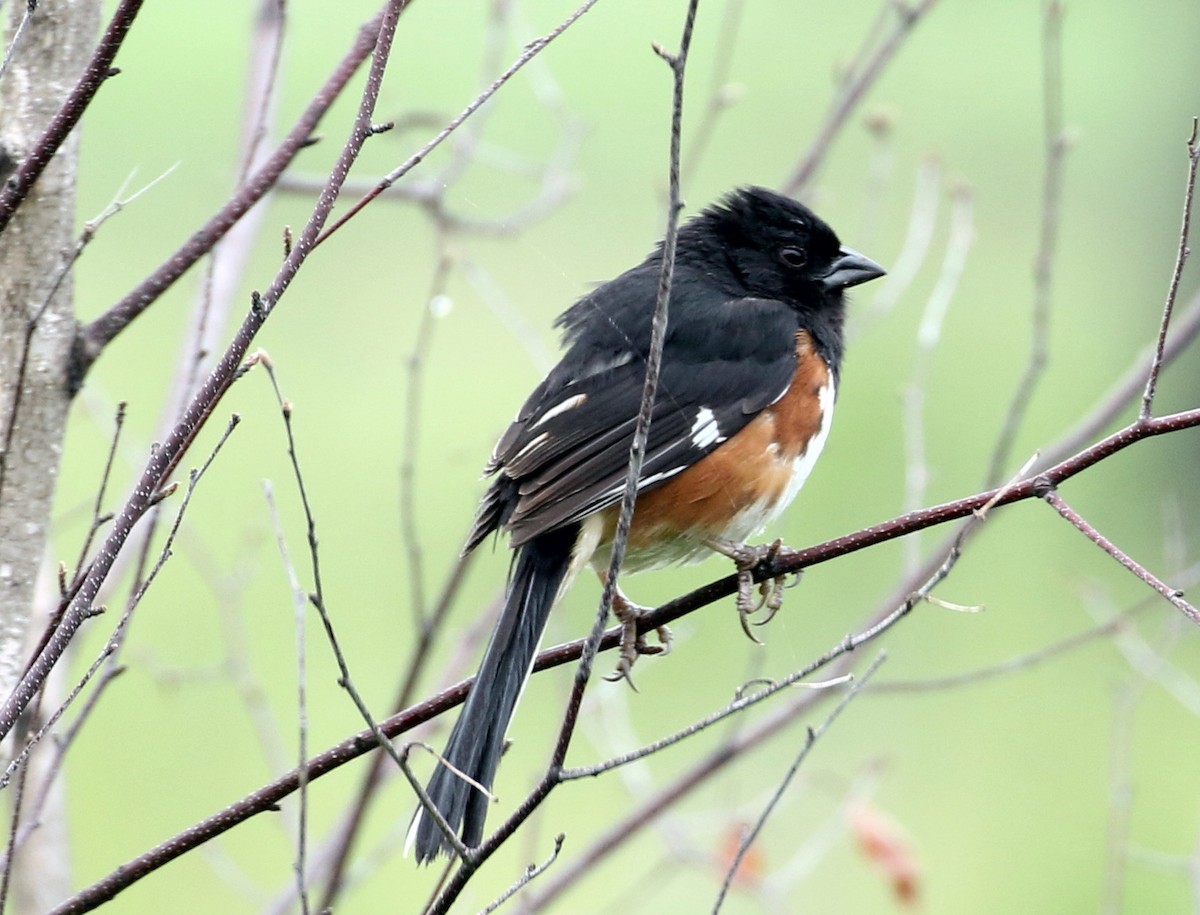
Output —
(811, 737)
(1181, 256)
(1174, 595)
(16, 188)
(164, 458)
(678, 65)
(271, 794)
(531, 872)
(435, 307)
(11, 50)
(1186, 328)
(532, 49)
(1056, 145)
(96, 335)
(299, 608)
(861, 75)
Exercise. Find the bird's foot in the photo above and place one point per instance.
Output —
(633, 643)
(770, 591)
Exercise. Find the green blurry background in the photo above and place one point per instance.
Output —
(1004, 787)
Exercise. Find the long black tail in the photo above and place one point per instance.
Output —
(475, 743)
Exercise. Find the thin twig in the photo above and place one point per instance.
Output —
(1185, 330)
(1118, 624)
(1056, 146)
(678, 63)
(18, 763)
(410, 529)
(555, 186)
(531, 51)
(9, 53)
(16, 187)
(317, 597)
(90, 228)
(1150, 661)
(721, 93)
(531, 872)
(464, 151)
(347, 833)
(17, 804)
(99, 517)
(918, 236)
(97, 334)
(795, 679)
(167, 455)
(299, 611)
(364, 741)
(1181, 256)
(216, 294)
(811, 737)
(1005, 667)
(228, 257)
(1174, 595)
(861, 76)
(929, 335)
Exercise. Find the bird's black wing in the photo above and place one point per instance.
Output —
(566, 454)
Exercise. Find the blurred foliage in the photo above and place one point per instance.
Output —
(1003, 787)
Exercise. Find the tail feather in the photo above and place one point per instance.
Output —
(477, 739)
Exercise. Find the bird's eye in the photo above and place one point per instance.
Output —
(793, 257)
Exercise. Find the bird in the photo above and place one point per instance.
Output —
(749, 372)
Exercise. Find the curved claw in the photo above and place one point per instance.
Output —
(624, 672)
(770, 616)
(666, 641)
(744, 619)
(633, 644)
(773, 598)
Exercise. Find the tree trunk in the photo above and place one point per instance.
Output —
(37, 328)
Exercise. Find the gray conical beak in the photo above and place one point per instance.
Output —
(850, 269)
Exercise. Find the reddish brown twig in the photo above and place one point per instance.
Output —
(1174, 595)
(1055, 147)
(164, 459)
(271, 794)
(861, 76)
(14, 191)
(553, 774)
(96, 335)
(1181, 256)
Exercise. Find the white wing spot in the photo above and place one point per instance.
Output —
(599, 366)
(533, 444)
(569, 404)
(659, 477)
(705, 431)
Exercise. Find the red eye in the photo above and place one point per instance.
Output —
(793, 257)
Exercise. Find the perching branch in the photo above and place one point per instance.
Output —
(166, 457)
(1181, 256)
(472, 861)
(1055, 149)
(100, 332)
(14, 190)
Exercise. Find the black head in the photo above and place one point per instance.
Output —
(777, 248)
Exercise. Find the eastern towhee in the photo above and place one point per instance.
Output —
(745, 398)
